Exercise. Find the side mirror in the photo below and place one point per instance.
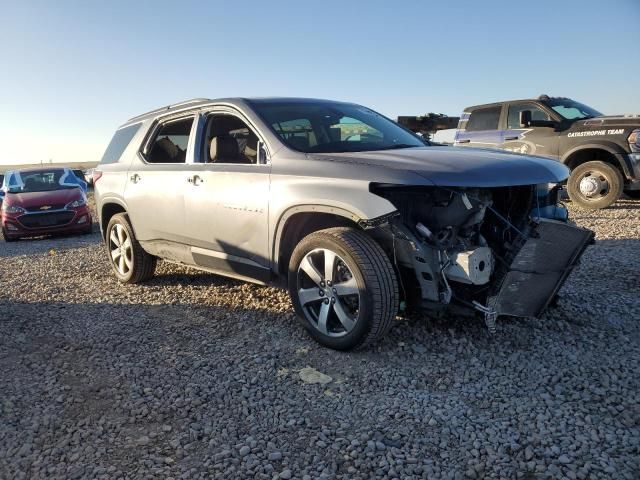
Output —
(525, 118)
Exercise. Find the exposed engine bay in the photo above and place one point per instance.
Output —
(497, 251)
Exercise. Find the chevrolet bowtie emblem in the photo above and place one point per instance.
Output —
(45, 207)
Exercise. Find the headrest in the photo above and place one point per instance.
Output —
(223, 149)
(299, 143)
(170, 148)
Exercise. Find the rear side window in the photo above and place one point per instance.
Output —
(170, 142)
(119, 143)
(484, 119)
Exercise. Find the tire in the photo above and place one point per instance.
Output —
(360, 301)
(7, 238)
(604, 180)
(133, 264)
(634, 194)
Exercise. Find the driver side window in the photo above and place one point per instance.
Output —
(228, 139)
(513, 120)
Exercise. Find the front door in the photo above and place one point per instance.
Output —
(541, 141)
(227, 200)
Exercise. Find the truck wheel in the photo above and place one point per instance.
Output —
(595, 184)
(343, 288)
(635, 194)
(129, 261)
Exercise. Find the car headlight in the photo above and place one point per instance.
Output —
(634, 138)
(13, 209)
(76, 203)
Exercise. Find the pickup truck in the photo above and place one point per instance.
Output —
(603, 152)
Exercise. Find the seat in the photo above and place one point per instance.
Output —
(164, 151)
(31, 184)
(224, 149)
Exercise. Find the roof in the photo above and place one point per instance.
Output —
(497, 104)
(201, 102)
(39, 169)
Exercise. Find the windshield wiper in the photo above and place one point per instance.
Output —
(397, 146)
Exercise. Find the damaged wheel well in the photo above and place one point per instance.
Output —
(299, 226)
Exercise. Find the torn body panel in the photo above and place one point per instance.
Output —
(540, 268)
(485, 250)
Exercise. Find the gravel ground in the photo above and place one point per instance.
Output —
(195, 376)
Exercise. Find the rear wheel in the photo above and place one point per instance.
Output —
(129, 261)
(343, 288)
(595, 184)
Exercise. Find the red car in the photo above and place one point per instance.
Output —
(43, 201)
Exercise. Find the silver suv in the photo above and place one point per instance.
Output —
(359, 218)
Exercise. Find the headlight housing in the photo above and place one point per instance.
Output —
(76, 203)
(13, 209)
(634, 138)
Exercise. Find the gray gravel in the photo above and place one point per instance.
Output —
(196, 376)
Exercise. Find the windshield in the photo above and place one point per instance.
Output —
(327, 127)
(41, 181)
(572, 110)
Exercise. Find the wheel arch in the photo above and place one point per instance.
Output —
(108, 209)
(606, 152)
(298, 222)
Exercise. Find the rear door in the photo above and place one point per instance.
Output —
(156, 181)
(482, 128)
(541, 141)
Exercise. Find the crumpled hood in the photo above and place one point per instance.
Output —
(458, 166)
(609, 121)
(38, 199)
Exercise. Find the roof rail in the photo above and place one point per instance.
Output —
(169, 107)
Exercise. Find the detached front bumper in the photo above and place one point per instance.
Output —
(33, 224)
(540, 268)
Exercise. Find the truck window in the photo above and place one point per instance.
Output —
(484, 119)
(513, 119)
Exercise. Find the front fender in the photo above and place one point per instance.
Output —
(610, 147)
(346, 198)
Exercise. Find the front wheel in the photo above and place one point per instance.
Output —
(129, 261)
(343, 288)
(595, 185)
(6, 237)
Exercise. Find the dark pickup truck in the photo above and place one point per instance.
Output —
(603, 152)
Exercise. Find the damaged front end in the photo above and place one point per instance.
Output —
(496, 251)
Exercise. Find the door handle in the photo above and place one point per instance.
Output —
(196, 180)
(135, 178)
(512, 138)
(464, 141)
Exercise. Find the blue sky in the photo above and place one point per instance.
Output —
(72, 71)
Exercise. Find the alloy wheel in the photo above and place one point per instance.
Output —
(121, 249)
(328, 292)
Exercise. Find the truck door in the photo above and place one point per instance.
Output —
(481, 129)
(533, 140)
